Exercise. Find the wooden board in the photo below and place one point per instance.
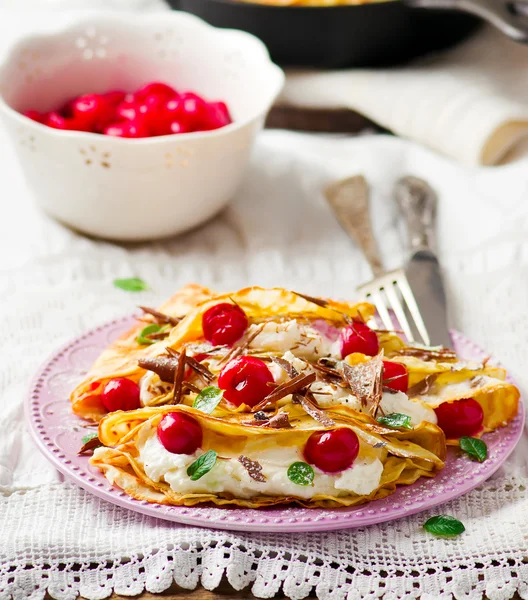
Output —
(318, 120)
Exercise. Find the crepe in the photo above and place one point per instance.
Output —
(128, 460)
(304, 330)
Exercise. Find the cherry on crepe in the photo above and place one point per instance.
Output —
(245, 380)
(224, 324)
(179, 433)
(332, 451)
(120, 394)
(460, 418)
(395, 376)
(358, 337)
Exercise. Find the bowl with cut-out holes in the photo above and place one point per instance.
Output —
(135, 189)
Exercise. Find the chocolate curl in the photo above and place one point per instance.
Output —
(159, 316)
(289, 387)
(253, 468)
(178, 378)
(309, 404)
(164, 366)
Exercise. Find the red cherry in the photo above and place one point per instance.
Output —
(194, 110)
(332, 451)
(57, 121)
(245, 380)
(459, 418)
(358, 337)
(224, 323)
(126, 110)
(395, 376)
(179, 433)
(152, 110)
(120, 394)
(114, 97)
(156, 88)
(134, 128)
(217, 116)
(92, 111)
(178, 127)
(35, 115)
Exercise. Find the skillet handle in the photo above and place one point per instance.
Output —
(509, 16)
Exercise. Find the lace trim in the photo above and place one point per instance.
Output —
(396, 560)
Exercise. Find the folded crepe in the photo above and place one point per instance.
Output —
(246, 462)
(298, 338)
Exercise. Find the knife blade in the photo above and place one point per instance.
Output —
(418, 201)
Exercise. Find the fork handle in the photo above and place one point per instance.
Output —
(417, 201)
(349, 200)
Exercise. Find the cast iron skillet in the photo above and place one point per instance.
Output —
(382, 33)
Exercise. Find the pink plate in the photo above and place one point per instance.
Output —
(58, 432)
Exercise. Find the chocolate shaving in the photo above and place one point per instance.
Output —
(178, 378)
(379, 445)
(187, 385)
(159, 316)
(285, 366)
(199, 368)
(237, 350)
(318, 301)
(389, 390)
(90, 446)
(309, 404)
(253, 468)
(476, 381)
(260, 416)
(326, 370)
(164, 366)
(279, 421)
(365, 381)
(158, 335)
(428, 355)
(423, 386)
(289, 387)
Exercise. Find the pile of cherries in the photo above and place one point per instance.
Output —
(246, 380)
(154, 109)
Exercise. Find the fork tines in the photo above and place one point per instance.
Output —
(392, 292)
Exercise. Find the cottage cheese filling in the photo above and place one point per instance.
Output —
(363, 477)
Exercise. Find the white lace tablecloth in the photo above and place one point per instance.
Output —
(54, 284)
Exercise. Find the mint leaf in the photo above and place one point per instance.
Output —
(202, 465)
(396, 421)
(474, 447)
(301, 473)
(444, 525)
(152, 328)
(88, 437)
(133, 284)
(208, 399)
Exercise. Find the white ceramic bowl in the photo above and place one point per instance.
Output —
(136, 189)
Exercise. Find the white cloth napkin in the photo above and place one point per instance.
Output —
(470, 103)
(54, 284)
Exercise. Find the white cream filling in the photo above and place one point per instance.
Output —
(328, 395)
(150, 387)
(289, 335)
(462, 389)
(401, 403)
(363, 477)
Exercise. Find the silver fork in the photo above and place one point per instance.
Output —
(388, 291)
